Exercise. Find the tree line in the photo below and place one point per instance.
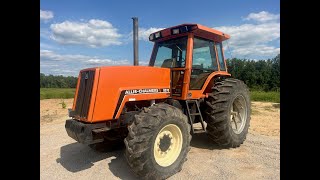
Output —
(51, 81)
(259, 75)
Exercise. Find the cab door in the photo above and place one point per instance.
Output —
(204, 62)
(173, 54)
(207, 61)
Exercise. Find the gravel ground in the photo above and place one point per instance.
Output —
(258, 158)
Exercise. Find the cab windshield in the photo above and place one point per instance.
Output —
(170, 53)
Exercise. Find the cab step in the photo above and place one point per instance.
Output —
(199, 131)
(189, 105)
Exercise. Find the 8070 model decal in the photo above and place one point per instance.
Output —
(144, 91)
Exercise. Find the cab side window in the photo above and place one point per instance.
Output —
(220, 56)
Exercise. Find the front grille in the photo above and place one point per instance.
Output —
(84, 94)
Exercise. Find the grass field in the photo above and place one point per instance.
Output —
(271, 96)
(57, 93)
(66, 93)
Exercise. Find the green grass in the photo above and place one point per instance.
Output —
(57, 93)
(271, 96)
(65, 93)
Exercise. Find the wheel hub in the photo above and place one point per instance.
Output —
(168, 145)
(165, 142)
(238, 114)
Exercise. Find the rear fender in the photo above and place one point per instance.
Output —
(197, 94)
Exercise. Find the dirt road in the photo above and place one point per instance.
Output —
(258, 158)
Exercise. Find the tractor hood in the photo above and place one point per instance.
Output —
(105, 90)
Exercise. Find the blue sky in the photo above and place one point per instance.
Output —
(77, 34)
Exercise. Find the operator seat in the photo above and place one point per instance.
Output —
(168, 63)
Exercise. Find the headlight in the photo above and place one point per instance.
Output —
(151, 37)
(157, 35)
(175, 31)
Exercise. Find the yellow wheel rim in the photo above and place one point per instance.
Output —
(168, 145)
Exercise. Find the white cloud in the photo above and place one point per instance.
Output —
(145, 33)
(262, 16)
(258, 50)
(107, 62)
(251, 34)
(253, 40)
(48, 46)
(143, 62)
(48, 55)
(63, 71)
(45, 33)
(70, 64)
(93, 33)
(46, 15)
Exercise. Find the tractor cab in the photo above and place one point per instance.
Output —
(193, 53)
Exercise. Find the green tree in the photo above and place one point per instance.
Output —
(51, 81)
(259, 75)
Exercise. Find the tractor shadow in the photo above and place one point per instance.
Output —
(77, 157)
(202, 141)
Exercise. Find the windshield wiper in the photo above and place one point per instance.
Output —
(178, 47)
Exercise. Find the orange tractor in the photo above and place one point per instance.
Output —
(153, 108)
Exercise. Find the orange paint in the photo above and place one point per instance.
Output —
(197, 94)
(109, 95)
(110, 81)
(197, 30)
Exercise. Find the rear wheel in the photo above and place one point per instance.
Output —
(227, 112)
(158, 142)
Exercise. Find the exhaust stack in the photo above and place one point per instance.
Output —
(135, 42)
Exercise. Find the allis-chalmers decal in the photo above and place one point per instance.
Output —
(145, 91)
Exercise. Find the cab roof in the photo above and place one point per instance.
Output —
(196, 29)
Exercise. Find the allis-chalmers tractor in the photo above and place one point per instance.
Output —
(153, 108)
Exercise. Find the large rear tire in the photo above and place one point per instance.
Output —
(227, 113)
(158, 142)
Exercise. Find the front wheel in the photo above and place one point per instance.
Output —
(158, 142)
